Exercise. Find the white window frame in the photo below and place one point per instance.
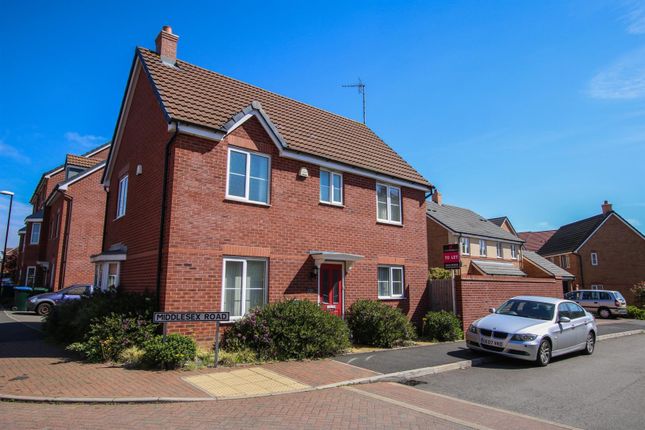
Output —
(247, 173)
(244, 261)
(122, 197)
(30, 269)
(31, 234)
(102, 277)
(331, 200)
(594, 258)
(483, 250)
(513, 251)
(390, 282)
(389, 204)
(464, 246)
(499, 250)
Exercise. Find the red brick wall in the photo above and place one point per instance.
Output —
(203, 223)
(52, 243)
(438, 236)
(621, 258)
(144, 138)
(31, 255)
(476, 294)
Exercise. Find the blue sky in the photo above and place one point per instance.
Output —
(534, 110)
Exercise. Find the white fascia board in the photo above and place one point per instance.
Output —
(97, 150)
(107, 258)
(65, 185)
(602, 223)
(195, 130)
(53, 172)
(52, 196)
(134, 77)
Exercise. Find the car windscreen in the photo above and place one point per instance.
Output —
(619, 296)
(528, 309)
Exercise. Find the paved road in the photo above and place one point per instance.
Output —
(433, 355)
(606, 390)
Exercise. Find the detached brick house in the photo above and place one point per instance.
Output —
(494, 267)
(66, 225)
(224, 196)
(604, 252)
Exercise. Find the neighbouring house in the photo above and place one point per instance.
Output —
(225, 196)
(533, 240)
(504, 223)
(602, 252)
(494, 267)
(66, 225)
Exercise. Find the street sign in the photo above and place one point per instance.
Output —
(170, 317)
(175, 317)
(451, 258)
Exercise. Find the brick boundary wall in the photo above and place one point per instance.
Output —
(476, 294)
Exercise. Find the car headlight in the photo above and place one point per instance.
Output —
(472, 329)
(524, 337)
(31, 299)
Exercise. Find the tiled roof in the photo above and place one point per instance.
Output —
(533, 240)
(546, 265)
(467, 222)
(497, 221)
(497, 268)
(198, 96)
(569, 237)
(75, 160)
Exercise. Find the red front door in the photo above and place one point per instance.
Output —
(331, 288)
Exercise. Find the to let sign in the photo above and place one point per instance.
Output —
(451, 256)
(170, 317)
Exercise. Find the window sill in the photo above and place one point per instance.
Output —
(248, 202)
(392, 298)
(336, 205)
(395, 224)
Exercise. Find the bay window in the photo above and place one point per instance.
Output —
(245, 285)
(248, 176)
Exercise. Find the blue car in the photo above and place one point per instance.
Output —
(43, 303)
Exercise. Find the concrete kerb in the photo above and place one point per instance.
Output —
(401, 376)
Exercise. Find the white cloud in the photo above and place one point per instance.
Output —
(86, 141)
(8, 151)
(545, 225)
(635, 16)
(624, 79)
(18, 213)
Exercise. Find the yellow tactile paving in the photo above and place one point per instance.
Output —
(244, 382)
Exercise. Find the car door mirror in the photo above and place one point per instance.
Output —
(564, 319)
(492, 310)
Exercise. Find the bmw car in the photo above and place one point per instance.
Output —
(535, 329)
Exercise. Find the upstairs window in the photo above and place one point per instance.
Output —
(248, 176)
(500, 250)
(594, 258)
(514, 251)
(390, 282)
(331, 187)
(465, 246)
(73, 171)
(35, 234)
(388, 204)
(122, 197)
(482, 248)
(564, 261)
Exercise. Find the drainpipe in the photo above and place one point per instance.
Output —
(164, 199)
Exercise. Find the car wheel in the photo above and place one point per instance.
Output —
(604, 313)
(44, 309)
(544, 353)
(591, 344)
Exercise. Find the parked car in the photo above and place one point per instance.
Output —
(534, 328)
(604, 303)
(43, 303)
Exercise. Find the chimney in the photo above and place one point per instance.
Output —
(436, 197)
(606, 208)
(166, 44)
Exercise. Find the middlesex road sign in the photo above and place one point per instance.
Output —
(451, 256)
(170, 317)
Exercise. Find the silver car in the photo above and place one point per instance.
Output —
(534, 328)
(604, 303)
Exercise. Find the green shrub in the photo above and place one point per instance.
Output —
(70, 321)
(439, 273)
(109, 336)
(377, 324)
(442, 326)
(132, 356)
(635, 313)
(171, 354)
(292, 329)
